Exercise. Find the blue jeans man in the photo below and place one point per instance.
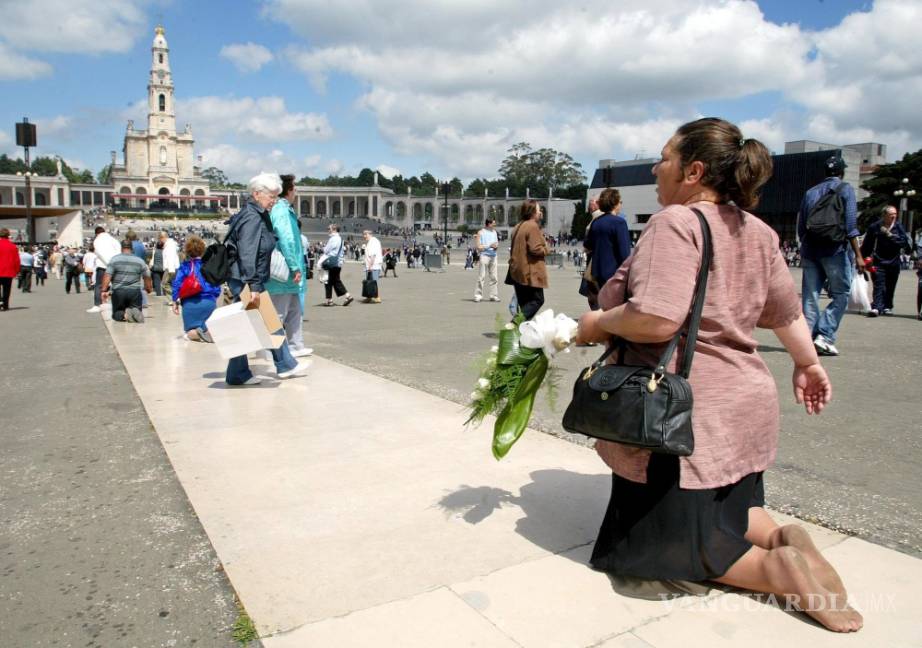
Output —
(837, 270)
(238, 369)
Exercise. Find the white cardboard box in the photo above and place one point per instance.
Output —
(239, 328)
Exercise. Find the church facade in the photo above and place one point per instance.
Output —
(159, 162)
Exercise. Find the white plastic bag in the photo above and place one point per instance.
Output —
(859, 298)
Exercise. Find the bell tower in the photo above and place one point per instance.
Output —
(161, 114)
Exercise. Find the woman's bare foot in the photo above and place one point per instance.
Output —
(192, 334)
(805, 592)
(793, 535)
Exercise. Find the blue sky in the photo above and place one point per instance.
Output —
(413, 85)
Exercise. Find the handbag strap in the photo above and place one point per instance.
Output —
(694, 317)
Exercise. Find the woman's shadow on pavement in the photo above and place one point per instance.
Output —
(563, 511)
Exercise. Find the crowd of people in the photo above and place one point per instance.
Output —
(693, 518)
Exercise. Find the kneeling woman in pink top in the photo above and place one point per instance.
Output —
(701, 517)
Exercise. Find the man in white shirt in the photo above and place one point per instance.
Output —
(374, 258)
(170, 262)
(487, 244)
(105, 247)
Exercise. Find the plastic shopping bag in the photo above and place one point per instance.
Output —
(513, 305)
(859, 298)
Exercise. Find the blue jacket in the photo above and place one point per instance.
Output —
(810, 199)
(609, 241)
(251, 235)
(209, 291)
(288, 236)
(886, 249)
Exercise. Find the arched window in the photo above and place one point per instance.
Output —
(162, 103)
(160, 58)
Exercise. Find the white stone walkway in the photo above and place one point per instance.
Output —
(349, 510)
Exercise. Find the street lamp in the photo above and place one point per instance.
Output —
(904, 192)
(446, 187)
(26, 137)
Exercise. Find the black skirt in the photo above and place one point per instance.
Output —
(660, 531)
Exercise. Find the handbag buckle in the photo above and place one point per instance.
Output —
(654, 381)
(591, 370)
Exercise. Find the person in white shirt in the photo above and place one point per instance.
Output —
(105, 246)
(487, 244)
(89, 267)
(170, 261)
(374, 258)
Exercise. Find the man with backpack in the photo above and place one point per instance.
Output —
(828, 231)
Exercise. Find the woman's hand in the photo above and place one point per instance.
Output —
(175, 308)
(589, 329)
(812, 387)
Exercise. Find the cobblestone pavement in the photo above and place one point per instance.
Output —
(98, 543)
(854, 468)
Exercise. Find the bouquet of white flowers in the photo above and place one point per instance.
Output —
(514, 370)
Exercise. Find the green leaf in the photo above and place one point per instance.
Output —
(512, 421)
(511, 352)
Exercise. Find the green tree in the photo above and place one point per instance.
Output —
(215, 177)
(11, 165)
(84, 176)
(888, 179)
(103, 176)
(366, 178)
(580, 220)
(541, 171)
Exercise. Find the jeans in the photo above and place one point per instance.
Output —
(25, 279)
(238, 369)
(488, 268)
(837, 270)
(6, 287)
(73, 278)
(97, 289)
(530, 299)
(288, 306)
(122, 300)
(885, 284)
(156, 277)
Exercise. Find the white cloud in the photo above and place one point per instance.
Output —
(262, 119)
(60, 127)
(247, 57)
(610, 79)
(88, 26)
(334, 167)
(240, 164)
(15, 66)
(388, 171)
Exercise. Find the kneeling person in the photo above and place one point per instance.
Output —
(122, 285)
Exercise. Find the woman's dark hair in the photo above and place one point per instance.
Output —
(733, 166)
(609, 199)
(159, 245)
(288, 181)
(194, 248)
(528, 208)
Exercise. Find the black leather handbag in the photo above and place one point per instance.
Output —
(644, 407)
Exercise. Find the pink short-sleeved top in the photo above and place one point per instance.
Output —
(736, 414)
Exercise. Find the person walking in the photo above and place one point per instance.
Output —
(72, 270)
(285, 295)
(251, 234)
(884, 241)
(170, 258)
(25, 270)
(390, 262)
(335, 252)
(374, 259)
(9, 267)
(57, 262)
(608, 240)
(825, 260)
(106, 247)
(88, 260)
(125, 277)
(527, 269)
(156, 268)
(702, 517)
(487, 245)
(39, 268)
(197, 307)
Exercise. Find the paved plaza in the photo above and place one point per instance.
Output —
(353, 508)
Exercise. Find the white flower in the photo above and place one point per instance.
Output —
(509, 326)
(494, 349)
(483, 383)
(491, 362)
(476, 395)
(548, 333)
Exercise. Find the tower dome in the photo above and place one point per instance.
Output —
(159, 37)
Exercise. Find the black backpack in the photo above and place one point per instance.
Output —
(218, 259)
(826, 221)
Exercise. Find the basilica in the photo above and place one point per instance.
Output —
(158, 161)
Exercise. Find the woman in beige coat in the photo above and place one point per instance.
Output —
(527, 270)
